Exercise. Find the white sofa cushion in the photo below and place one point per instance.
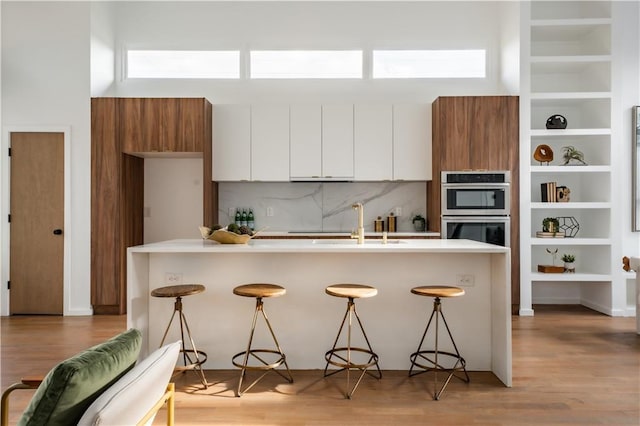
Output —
(131, 397)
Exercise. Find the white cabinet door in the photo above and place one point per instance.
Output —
(270, 142)
(373, 142)
(337, 141)
(305, 128)
(412, 142)
(231, 142)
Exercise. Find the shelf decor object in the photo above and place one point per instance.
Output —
(551, 269)
(568, 260)
(543, 154)
(556, 121)
(568, 225)
(563, 194)
(548, 192)
(550, 224)
(543, 234)
(572, 156)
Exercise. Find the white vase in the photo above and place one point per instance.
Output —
(569, 267)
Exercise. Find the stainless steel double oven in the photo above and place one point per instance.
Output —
(476, 206)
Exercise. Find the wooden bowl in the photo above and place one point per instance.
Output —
(226, 237)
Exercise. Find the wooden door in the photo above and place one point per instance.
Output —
(37, 223)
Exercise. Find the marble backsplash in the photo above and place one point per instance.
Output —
(321, 206)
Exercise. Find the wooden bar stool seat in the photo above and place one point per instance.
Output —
(433, 358)
(192, 358)
(260, 291)
(345, 357)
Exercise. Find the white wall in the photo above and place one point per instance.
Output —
(103, 40)
(172, 198)
(313, 25)
(45, 83)
(510, 47)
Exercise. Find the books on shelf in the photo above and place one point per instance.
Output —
(543, 234)
(548, 192)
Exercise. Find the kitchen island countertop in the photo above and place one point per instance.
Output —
(321, 245)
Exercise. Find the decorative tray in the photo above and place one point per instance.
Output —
(550, 269)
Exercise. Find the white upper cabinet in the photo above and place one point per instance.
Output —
(337, 141)
(373, 141)
(270, 143)
(305, 128)
(281, 143)
(412, 142)
(231, 142)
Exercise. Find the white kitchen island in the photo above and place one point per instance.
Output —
(306, 320)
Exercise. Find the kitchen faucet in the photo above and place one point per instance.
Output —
(360, 233)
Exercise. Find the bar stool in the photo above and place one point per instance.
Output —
(199, 357)
(260, 291)
(336, 355)
(434, 364)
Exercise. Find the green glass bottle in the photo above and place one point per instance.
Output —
(243, 218)
(251, 220)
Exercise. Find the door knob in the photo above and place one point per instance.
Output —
(57, 232)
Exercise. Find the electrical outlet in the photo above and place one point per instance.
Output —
(466, 280)
(173, 278)
(269, 211)
(232, 212)
(397, 211)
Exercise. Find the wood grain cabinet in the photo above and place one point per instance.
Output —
(123, 132)
(471, 133)
(162, 124)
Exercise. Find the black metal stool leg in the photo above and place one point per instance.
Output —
(434, 364)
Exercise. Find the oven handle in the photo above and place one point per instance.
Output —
(471, 219)
(476, 186)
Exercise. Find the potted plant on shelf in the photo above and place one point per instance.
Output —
(550, 224)
(571, 153)
(568, 260)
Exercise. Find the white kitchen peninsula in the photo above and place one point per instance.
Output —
(306, 319)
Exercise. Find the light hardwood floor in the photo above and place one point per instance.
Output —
(571, 365)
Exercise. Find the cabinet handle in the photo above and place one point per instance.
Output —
(57, 232)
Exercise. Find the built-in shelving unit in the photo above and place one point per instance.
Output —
(566, 69)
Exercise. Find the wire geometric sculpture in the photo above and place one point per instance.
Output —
(569, 225)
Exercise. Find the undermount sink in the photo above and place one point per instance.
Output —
(355, 242)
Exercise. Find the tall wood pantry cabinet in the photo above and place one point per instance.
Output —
(477, 132)
(123, 132)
